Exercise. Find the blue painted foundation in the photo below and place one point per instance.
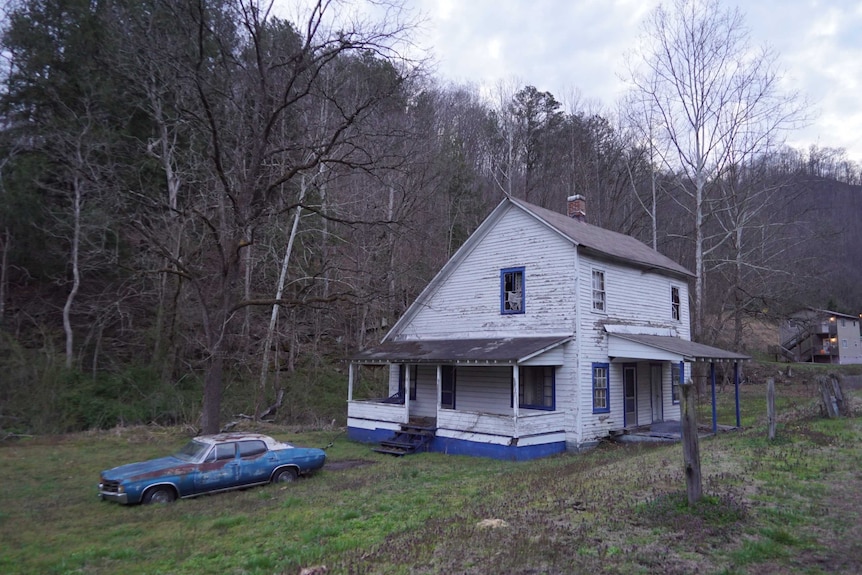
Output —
(462, 447)
(363, 435)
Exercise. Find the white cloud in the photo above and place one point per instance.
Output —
(563, 46)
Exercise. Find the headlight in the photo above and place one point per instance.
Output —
(121, 489)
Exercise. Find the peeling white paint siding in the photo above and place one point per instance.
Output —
(558, 301)
(632, 297)
(468, 302)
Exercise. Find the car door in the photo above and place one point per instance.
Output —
(255, 462)
(220, 470)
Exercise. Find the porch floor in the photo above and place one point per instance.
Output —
(662, 431)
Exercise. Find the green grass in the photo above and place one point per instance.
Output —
(789, 505)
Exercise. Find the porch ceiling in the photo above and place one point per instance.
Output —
(664, 347)
(505, 351)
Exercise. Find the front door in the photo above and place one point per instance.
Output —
(630, 393)
(655, 387)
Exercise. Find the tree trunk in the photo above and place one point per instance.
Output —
(279, 291)
(211, 412)
(4, 266)
(76, 272)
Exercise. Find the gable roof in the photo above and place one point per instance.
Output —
(593, 239)
(602, 242)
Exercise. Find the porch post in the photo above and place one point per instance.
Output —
(439, 388)
(714, 408)
(516, 391)
(407, 390)
(350, 382)
(736, 390)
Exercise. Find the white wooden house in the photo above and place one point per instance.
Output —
(543, 333)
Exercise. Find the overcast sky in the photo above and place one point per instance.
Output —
(577, 47)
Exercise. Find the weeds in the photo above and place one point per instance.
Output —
(789, 505)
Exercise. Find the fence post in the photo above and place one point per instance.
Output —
(690, 447)
(770, 406)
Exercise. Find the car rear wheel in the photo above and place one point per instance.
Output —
(288, 475)
(159, 495)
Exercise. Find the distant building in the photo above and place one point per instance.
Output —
(822, 336)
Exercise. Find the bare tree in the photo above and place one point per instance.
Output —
(250, 75)
(717, 98)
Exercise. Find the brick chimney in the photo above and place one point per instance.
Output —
(577, 207)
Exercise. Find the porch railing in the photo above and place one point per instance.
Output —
(377, 410)
(527, 423)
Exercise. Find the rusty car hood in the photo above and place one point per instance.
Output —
(162, 466)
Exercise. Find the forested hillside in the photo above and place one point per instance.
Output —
(199, 201)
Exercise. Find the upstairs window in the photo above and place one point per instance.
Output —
(674, 303)
(512, 290)
(601, 397)
(536, 387)
(598, 290)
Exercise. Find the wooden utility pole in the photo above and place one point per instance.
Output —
(690, 448)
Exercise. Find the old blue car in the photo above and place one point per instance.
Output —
(209, 464)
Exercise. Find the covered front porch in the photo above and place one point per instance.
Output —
(686, 359)
(466, 391)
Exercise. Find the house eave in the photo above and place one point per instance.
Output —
(671, 348)
(486, 351)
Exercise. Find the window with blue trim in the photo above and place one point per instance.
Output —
(677, 372)
(512, 290)
(601, 388)
(536, 387)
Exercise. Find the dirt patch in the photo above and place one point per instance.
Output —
(347, 464)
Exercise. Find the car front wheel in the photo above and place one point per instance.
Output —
(288, 475)
(159, 495)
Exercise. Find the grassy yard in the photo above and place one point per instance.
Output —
(787, 506)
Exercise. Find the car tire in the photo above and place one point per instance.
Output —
(161, 494)
(287, 475)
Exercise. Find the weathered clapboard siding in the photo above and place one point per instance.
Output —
(671, 409)
(468, 302)
(632, 297)
(376, 411)
(487, 389)
(528, 423)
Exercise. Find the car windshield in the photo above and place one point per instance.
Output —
(193, 451)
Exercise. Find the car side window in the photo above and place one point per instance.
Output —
(225, 451)
(249, 449)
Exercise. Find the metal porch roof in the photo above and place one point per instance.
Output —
(686, 350)
(507, 351)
